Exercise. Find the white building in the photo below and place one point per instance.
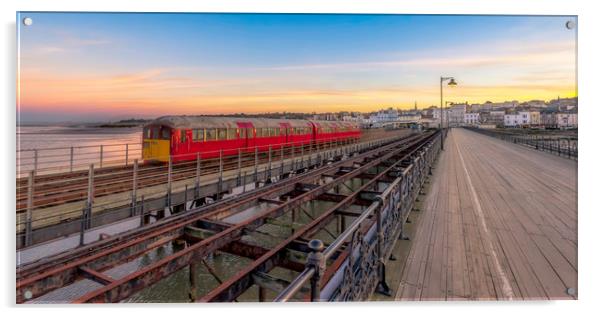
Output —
(410, 117)
(471, 118)
(522, 118)
(456, 115)
(437, 116)
(388, 115)
(512, 120)
(353, 117)
(567, 120)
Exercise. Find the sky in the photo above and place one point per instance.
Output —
(109, 66)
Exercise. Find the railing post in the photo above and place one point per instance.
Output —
(281, 160)
(82, 228)
(101, 154)
(35, 161)
(316, 260)
(293, 162)
(71, 160)
(269, 174)
(256, 162)
(90, 201)
(127, 150)
(239, 167)
(185, 197)
(142, 211)
(169, 174)
(87, 211)
(134, 187)
(29, 214)
(244, 183)
(221, 173)
(197, 181)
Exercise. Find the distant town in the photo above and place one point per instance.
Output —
(560, 113)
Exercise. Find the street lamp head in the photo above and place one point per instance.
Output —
(452, 82)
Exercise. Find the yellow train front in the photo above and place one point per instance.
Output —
(156, 142)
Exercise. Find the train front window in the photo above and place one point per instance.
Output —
(147, 133)
(165, 133)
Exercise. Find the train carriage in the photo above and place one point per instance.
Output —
(185, 137)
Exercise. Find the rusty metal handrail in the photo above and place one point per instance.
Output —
(306, 275)
(309, 274)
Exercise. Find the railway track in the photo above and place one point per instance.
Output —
(204, 232)
(71, 187)
(57, 189)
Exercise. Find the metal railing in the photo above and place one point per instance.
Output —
(566, 146)
(366, 249)
(75, 158)
(95, 197)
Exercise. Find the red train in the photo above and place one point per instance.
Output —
(182, 137)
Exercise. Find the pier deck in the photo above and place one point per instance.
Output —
(499, 222)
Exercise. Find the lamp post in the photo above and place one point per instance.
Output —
(451, 83)
(447, 113)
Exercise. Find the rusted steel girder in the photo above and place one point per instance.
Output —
(130, 284)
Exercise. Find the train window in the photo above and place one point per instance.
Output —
(231, 133)
(249, 132)
(182, 136)
(222, 133)
(147, 133)
(197, 135)
(210, 134)
(165, 133)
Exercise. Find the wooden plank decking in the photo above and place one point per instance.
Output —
(499, 222)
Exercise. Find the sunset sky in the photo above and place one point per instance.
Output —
(100, 66)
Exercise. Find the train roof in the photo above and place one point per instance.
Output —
(193, 122)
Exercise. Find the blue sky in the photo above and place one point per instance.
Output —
(116, 65)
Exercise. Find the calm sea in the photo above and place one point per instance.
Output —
(53, 147)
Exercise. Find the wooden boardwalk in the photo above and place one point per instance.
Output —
(499, 222)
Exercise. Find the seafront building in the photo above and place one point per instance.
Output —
(557, 113)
